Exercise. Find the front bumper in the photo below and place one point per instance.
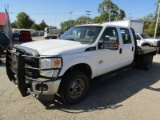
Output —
(158, 47)
(46, 87)
(27, 78)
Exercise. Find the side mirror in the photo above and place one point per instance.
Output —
(138, 38)
(112, 44)
(101, 44)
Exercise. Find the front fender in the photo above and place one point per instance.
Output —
(146, 42)
(79, 60)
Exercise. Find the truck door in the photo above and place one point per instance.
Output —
(127, 48)
(108, 59)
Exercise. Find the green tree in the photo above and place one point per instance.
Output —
(151, 29)
(150, 22)
(121, 15)
(155, 18)
(156, 11)
(101, 18)
(112, 11)
(42, 25)
(35, 26)
(83, 20)
(66, 25)
(24, 21)
(97, 19)
(14, 24)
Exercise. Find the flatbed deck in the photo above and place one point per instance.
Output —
(145, 50)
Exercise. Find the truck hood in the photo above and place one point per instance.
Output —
(152, 39)
(55, 47)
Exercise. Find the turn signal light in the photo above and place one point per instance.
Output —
(56, 63)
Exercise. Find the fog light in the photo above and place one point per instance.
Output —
(41, 87)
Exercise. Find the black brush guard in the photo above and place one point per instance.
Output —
(16, 70)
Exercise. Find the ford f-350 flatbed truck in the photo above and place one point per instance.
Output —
(65, 66)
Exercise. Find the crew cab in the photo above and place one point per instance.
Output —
(65, 66)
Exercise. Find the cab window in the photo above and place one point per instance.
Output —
(107, 34)
(126, 37)
(47, 30)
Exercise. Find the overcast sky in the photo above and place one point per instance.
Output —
(53, 12)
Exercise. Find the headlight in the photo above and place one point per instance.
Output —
(49, 73)
(50, 64)
(155, 43)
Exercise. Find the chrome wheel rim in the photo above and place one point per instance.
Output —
(76, 88)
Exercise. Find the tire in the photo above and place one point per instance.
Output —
(138, 62)
(147, 62)
(74, 87)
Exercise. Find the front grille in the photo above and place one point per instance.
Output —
(14, 62)
(23, 68)
(15, 69)
(31, 62)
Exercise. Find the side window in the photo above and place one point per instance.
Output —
(47, 30)
(137, 37)
(2, 36)
(125, 36)
(107, 34)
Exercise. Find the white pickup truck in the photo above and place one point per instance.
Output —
(146, 40)
(65, 66)
(51, 32)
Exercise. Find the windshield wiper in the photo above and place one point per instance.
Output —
(72, 39)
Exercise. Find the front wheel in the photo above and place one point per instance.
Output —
(74, 87)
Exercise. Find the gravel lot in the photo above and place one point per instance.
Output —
(132, 95)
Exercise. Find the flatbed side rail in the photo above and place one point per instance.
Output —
(146, 50)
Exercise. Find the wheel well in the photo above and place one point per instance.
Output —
(146, 44)
(80, 67)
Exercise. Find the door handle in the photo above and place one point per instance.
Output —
(132, 48)
(120, 51)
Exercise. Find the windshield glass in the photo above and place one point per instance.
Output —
(83, 34)
(144, 36)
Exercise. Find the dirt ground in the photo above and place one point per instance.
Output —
(132, 95)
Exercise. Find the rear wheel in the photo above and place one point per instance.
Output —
(138, 62)
(147, 62)
(74, 87)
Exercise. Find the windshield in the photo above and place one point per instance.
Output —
(83, 34)
(144, 36)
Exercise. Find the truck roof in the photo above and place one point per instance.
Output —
(103, 25)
